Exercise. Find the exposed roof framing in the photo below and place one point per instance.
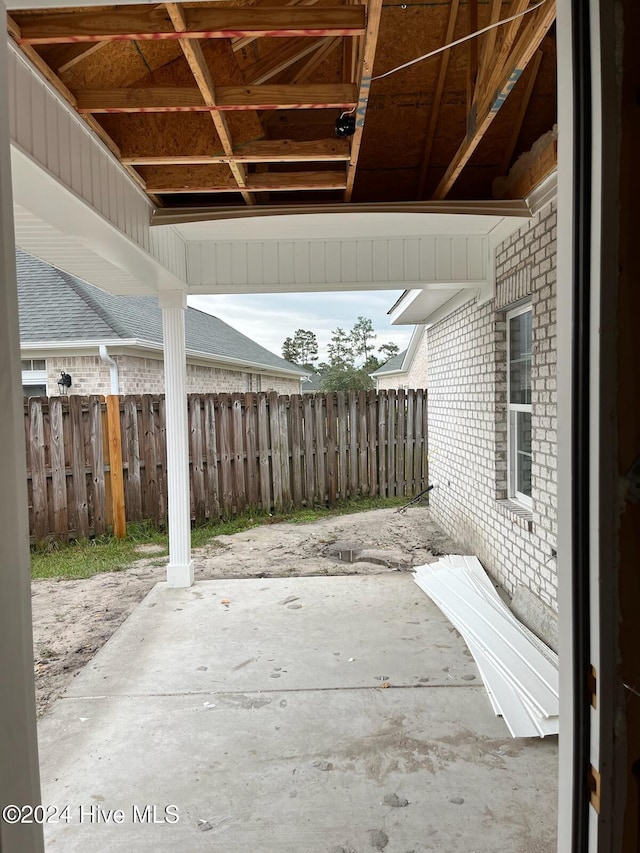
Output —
(238, 99)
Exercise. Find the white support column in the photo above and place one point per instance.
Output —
(180, 568)
(19, 773)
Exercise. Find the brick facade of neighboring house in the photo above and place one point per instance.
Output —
(141, 375)
(408, 369)
(467, 381)
(64, 322)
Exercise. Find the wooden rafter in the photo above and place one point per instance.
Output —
(374, 11)
(488, 42)
(315, 60)
(192, 51)
(498, 87)
(262, 151)
(133, 24)
(190, 99)
(64, 56)
(524, 103)
(437, 98)
(265, 182)
(279, 60)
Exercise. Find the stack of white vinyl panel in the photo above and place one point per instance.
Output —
(519, 671)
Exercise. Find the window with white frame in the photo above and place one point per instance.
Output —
(519, 403)
(34, 377)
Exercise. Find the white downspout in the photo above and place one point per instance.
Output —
(113, 369)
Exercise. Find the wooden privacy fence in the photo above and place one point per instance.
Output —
(94, 463)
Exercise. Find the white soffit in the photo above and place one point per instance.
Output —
(59, 227)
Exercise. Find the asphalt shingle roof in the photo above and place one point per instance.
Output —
(394, 363)
(55, 306)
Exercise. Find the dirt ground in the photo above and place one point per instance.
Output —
(72, 619)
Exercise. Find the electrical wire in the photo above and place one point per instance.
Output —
(460, 41)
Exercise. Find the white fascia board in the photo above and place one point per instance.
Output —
(56, 346)
(544, 193)
(416, 337)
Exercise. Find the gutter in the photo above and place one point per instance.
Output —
(113, 369)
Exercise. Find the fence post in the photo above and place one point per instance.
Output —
(115, 465)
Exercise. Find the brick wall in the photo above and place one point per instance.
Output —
(138, 375)
(468, 418)
(415, 377)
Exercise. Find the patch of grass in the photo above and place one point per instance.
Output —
(89, 557)
(106, 554)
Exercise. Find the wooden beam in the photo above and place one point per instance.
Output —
(524, 103)
(266, 182)
(189, 99)
(135, 24)
(374, 11)
(505, 38)
(437, 98)
(486, 109)
(283, 57)
(262, 151)
(192, 51)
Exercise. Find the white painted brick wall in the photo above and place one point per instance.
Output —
(468, 421)
(138, 375)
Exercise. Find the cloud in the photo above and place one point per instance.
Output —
(269, 318)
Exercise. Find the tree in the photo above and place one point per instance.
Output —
(345, 377)
(301, 349)
(388, 351)
(362, 337)
(340, 349)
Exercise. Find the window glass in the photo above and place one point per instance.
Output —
(39, 364)
(520, 359)
(34, 390)
(26, 364)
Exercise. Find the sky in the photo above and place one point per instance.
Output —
(270, 318)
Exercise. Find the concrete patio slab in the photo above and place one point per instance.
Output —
(181, 708)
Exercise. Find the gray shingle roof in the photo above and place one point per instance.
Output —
(55, 306)
(394, 363)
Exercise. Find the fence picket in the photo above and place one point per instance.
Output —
(284, 433)
(332, 446)
(58, 471)
(353, 443)
(151, 505)
(372, 441)
(391, 442)
(96, 464)
(226, 473)
(78, 465)
(263, 451)
(363, 470)
(343, 478)
(320, 432)
(295, 412)
(309, 469)
(211, 452)
(419, 484)
(276, 464)
(237, 433)
(402, 407)
(38, 476)
(196, 444)
(251, 444)
(382, 444)
(409, 448)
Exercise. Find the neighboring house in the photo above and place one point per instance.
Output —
(311, 383)
(408, 369)
(492, 416)
(113, 344)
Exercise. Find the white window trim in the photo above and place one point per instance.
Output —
(512, 492)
